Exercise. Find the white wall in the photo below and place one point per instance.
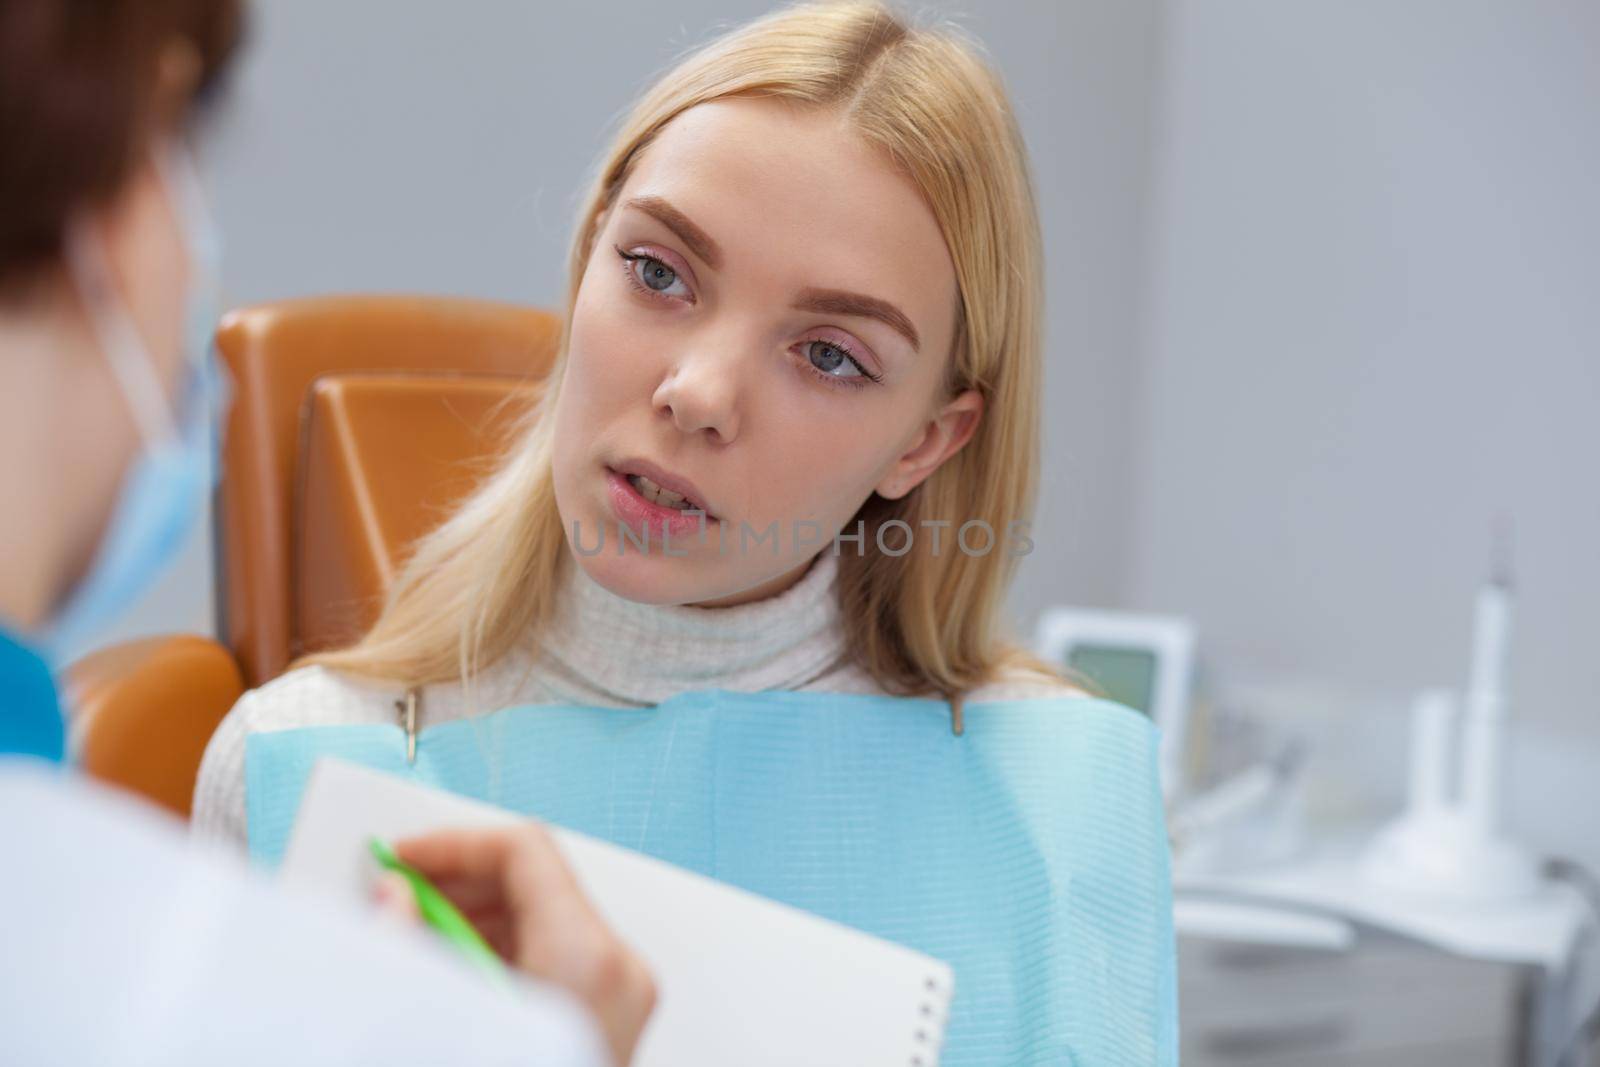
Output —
(1372, 323)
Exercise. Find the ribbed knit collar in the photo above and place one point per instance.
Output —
(645, 653)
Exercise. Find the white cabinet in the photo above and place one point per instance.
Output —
(1385, 1002)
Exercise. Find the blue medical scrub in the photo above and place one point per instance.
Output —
(30, 712)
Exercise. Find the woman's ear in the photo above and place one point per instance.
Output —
(942, 436)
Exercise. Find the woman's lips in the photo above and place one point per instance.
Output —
(665, 525)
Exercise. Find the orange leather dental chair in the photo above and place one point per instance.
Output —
(357, 422)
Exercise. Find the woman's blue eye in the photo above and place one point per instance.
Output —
(650, 275)
(656, 274)
(829, 358)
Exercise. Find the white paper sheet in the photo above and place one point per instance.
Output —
(742, 979)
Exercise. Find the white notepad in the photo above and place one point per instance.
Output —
(742, 979)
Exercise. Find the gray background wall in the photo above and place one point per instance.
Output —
(1368, 323)
(1371, 322)
(1322, 281)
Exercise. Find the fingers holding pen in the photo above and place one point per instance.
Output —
(515, 885)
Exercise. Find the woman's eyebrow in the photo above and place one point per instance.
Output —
(699, 242)
(840, 302)
(825, 301)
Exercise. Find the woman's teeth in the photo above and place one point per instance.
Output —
(654, 493)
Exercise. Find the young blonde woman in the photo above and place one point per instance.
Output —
(802, 346)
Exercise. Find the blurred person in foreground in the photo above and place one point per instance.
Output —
(122, 941)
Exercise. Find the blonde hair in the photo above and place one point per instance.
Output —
(922, 622)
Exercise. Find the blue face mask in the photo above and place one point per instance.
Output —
(165, 489)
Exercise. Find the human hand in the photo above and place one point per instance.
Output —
(514, 885)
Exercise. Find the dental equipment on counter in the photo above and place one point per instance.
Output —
(1235, 798)
(1147, 662)
(1445, 872)
(1451, 847)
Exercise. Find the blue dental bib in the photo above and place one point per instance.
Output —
(1030, 852)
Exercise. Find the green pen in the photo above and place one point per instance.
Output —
(437, 911)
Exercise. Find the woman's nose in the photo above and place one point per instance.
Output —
(700, 393)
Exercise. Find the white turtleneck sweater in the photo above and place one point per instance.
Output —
(601, 650)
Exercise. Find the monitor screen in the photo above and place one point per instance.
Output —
(1128, 675)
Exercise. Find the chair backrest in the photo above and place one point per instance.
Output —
(276, 352)
(383, 460)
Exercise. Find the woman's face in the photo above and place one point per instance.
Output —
(765, 322)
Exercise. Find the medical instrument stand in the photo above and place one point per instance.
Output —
(1452, 851)
(1443, 873)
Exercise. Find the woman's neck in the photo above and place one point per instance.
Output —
(636, 653)
(769, 588)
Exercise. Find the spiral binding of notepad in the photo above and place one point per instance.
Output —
(933, 1012)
